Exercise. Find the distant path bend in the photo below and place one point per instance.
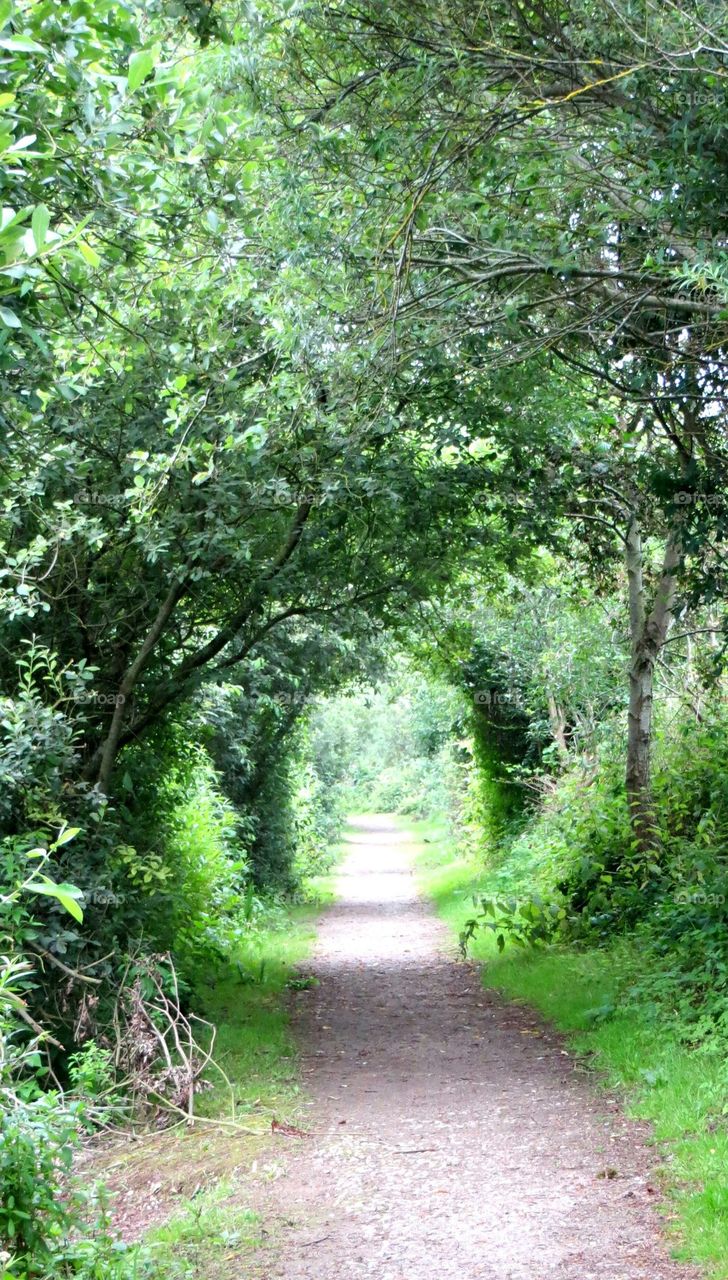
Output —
(453, 1138)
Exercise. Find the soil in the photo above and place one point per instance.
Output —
(452, 1134)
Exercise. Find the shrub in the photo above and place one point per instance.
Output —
(36, 1149)
(577, 854)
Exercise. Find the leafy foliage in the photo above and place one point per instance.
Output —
(524, 923)
(328, 336)
(390, 748)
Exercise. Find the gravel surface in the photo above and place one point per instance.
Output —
(452, 1135)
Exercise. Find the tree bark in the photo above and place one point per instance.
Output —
(557, 721)
(648, 635)
(108, 750)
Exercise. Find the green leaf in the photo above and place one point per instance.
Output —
(71, 906)
(9, 217)
(66, 894)
(22, 143)
(39, 224)
(141, 65)
(20, 44)
(66, 835)
(9, 318)
(71, 890)
(89, 254)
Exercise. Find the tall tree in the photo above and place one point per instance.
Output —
(548, 179)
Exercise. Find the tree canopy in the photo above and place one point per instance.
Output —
(328, 333)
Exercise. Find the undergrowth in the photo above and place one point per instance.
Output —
(208, 1237)
(245, 1001)
(199, 1181)
(211, 1229)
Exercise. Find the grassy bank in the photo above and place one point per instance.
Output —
(186, 1194)
(681, 1091)
(248, 1006)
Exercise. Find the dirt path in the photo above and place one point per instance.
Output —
(452, 1135)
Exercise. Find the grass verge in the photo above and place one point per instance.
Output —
(681, 1092)
(247, 1004)
(186, 1194)
(211, 1236)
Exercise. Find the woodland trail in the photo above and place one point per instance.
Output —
(452, 1134)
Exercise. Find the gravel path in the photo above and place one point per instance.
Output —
(452, 1135)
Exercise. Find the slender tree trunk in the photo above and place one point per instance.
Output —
(648, 633)
(557, 722)
(639, 719)
(108, 750)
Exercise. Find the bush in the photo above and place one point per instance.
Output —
(51, 1226)
(207, 864)
(577, 853)
(36, 1149)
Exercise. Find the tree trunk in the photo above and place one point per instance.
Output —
(557, 722)
(648, 634)
(108, 750)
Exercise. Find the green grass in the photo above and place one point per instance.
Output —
(681, 1092)
(203, 1176)
(210, 1236)
(247, 1004)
